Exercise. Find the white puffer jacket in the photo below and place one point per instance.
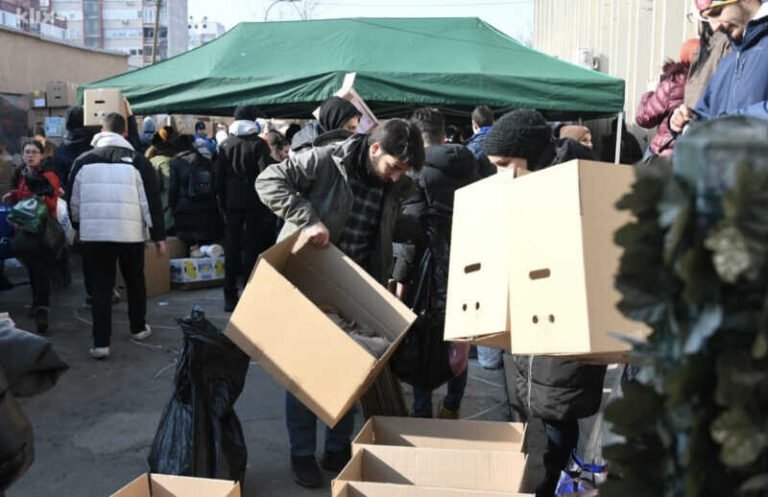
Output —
(113, 193)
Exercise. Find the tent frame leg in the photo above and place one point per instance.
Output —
(619, 129)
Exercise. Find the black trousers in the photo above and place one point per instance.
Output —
(104, 257)
(39, 269)
(248, 234)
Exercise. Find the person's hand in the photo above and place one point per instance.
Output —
(317, 234)
(127, 107)
(7, 198)
(160, 247)
(680, 118)
(651, 83)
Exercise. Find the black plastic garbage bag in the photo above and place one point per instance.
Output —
(16, 443)
(199, 433)
(30, 363)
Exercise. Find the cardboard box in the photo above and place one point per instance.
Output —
(157, 273)
(366, 489)
(100, 102)
(437, 468)
(478, 273)
(562, 298)
(36, 117)
(189, 270)
(60, 94)
(176, 248)
(154, 485)
(278, 323)
(440, 434)
(38, 99)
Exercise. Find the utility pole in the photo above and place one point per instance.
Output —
(154, 32)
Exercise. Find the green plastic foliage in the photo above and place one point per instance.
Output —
(695, 423)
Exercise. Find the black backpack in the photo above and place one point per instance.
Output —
(200, 182)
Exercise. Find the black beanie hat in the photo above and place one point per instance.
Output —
(520, 133)
(245, 113)
(336, 111)
(73, 118)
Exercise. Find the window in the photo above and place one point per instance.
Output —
(91, 9)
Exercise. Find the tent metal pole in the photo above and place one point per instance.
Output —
(619, 129)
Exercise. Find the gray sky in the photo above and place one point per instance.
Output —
(513, 17)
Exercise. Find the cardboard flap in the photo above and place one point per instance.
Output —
(494, 341)
(460, 469)
(442, 434)
(366, 489)
(182, 486)
(137, 488)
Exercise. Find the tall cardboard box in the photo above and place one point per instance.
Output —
(157, 273)
(421, 433)
(279, 323)
(436, 468)
(36, 117)
(60, 94)
(562, 298)
(100, 102)
(154, 485)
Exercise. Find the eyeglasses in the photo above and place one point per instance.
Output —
(32, 152)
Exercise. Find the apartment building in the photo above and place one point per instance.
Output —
(126, 26)
(203, 31)
(32, 16)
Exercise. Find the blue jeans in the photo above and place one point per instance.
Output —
(562, 439)
(302, 429)
(422, 398)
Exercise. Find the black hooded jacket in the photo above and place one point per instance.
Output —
(241, 159)
(76, 142)
(334, 113)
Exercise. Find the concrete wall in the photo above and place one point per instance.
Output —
(27, 63)
(630, 38)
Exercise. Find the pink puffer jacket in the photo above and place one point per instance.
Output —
(656, 106)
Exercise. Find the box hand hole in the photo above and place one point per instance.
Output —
(472, 268)
(535, 320)
(540, 274)
(551, 318)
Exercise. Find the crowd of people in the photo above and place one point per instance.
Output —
(382, 198)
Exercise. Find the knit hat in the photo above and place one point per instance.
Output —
(520, 133)
(709, 4)
(245, 113)
(336, 111)
(73, 117)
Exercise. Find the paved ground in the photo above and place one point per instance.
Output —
(94, 429)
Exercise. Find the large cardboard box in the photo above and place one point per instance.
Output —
(100, 102)
(441, 434)
(154, 485)
(36, 117)
(495, 471)
(157, 273)
(279, 323)
(562, 298)
(177, 249)
(38, 99)
(366, 489)
(543, 267)
(61, 94)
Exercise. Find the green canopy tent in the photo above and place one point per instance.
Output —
(287, 68)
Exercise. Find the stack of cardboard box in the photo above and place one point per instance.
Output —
(533, 263)
(426, 457)
(48, 108)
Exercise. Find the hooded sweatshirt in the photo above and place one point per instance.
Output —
(113, 193)
(76, 142)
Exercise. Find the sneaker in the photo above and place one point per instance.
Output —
(142, 335)
(445, 413)
(305, 471)
(41, 319)
(335, 461)
(100, 353)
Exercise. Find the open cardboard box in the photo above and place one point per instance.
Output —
(543, 267)
(365, 489)
(154, 485)
(441, 434)
(279, 323)
(562, 298)
(495, 471)
(157, 273)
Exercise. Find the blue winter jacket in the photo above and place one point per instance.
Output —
(476, 145)
(740, 85)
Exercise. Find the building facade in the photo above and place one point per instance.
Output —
(33, 16)
(126, 26)
(629, 39)
(203, 31)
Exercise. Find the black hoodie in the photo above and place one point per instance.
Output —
(76, 142)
